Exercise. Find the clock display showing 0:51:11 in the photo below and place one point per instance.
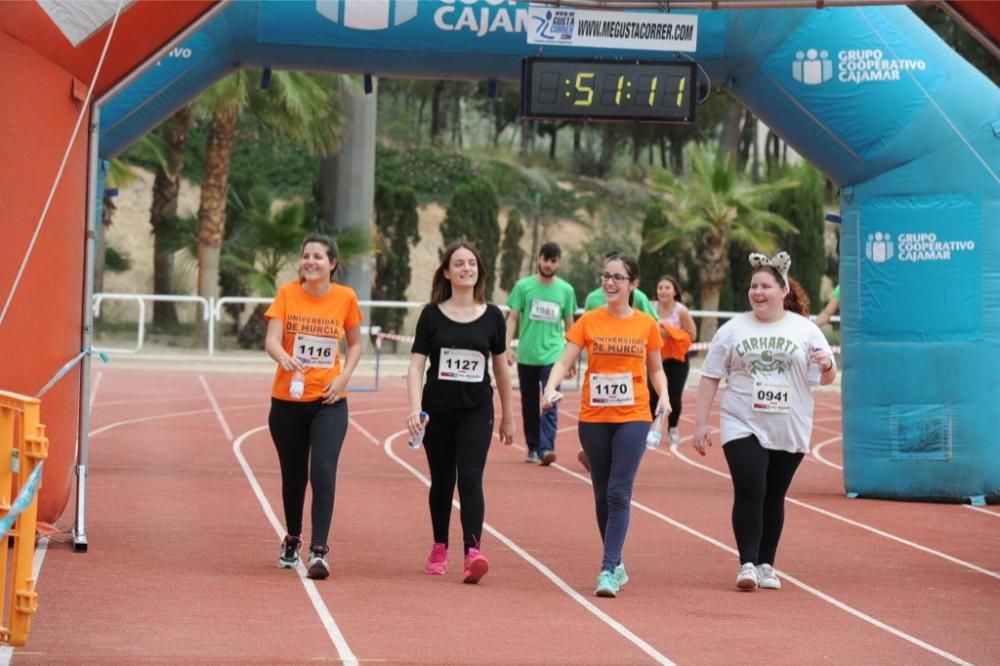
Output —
(609, 90)
(644, 91)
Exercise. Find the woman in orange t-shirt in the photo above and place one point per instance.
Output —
(308, 419)
(623, 348)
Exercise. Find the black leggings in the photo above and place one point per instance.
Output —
(308, 437)
(761, 478)
(677, 375)
(456, 442)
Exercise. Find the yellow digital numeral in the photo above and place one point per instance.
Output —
(680, 92)
(618, 95)
(652, 90)
(585, 89)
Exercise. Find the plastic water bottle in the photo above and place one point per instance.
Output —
(654, 435)
(555, 400)
(813, 374)
(298, 385)
(417, 440)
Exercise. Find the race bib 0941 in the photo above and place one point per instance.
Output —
(772, 396)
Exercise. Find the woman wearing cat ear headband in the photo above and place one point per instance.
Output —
(771, 357)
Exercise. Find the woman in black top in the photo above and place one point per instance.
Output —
(458, 332)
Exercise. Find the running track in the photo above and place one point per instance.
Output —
(184, 525)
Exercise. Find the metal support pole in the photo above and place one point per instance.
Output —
(87, 337)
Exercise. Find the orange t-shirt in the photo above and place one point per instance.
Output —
(614, 388)
(676, 343)
(313, 328)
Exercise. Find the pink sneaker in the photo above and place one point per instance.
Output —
(476, 566)
(437, 561)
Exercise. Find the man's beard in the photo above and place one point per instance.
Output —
(541, 271)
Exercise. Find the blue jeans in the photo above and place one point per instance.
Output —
(614, 451)
(539, 425)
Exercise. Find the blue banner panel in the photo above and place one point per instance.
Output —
(480, 26)
(921, 273)
(178, 63)
(857, 74)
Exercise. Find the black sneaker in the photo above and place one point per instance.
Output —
(318, 568)
(289, 556)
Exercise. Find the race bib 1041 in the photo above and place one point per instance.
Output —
(544, 311)
(315, 351)
(461, 365)
(611, 390)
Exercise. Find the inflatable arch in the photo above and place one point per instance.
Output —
(870, 95)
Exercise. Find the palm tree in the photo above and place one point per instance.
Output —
(266, 240)
(118, 175)
(707, 210)
(163, 213)
(298, 106)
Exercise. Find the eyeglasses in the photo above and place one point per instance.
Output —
(614, 277)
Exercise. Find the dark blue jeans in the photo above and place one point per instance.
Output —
(539, 425)
(614, 451)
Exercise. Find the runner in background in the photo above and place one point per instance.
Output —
(678, 331)
(308, 419)
(623, 347)
(771, 357)
(541, 310)
(459, 332)
(832, 307)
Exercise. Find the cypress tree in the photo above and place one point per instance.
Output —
(472, 216)
(512, 256)
(396, 222)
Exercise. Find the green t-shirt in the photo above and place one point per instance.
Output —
(595, 299)
(836, 292)
(541, 309)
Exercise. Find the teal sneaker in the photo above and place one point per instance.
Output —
(621, 576)
(607, 585)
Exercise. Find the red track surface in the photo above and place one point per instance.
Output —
(181, 564)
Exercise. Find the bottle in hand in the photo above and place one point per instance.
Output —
(298, 385)
(417, 440)
(655, 432)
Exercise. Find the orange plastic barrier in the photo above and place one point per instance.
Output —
(23, 447)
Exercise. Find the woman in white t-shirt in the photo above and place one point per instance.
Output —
(771, 357)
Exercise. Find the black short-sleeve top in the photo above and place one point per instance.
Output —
(459, 353)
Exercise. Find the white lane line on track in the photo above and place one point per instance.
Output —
(825, 597)
(523, 554)
(817, 452)
(981, 510)
(849, 521)
(854, 523)
(326, 617)
(729, 549)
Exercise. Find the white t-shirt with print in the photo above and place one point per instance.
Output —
(761, 361)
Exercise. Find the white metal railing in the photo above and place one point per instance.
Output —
(140, 300)
(212, 313)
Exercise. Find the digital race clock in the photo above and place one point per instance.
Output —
(626, 90)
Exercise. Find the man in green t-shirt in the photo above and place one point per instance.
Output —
(823, 318)
(596, 299)
(541, 311)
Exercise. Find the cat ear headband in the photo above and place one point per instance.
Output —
(780, 262)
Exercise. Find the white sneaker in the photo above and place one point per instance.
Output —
(767, 579)
(746, 579)
(674, 436)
